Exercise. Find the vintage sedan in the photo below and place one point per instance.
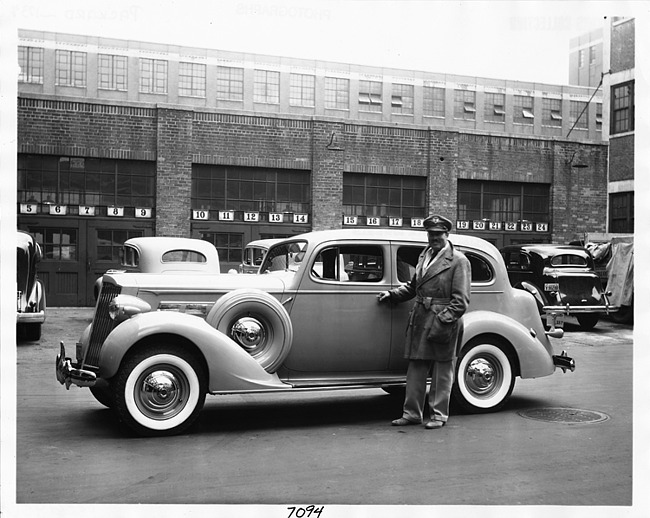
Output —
(165, 255)
(31, 304)
(254, 253)
(309, 320)
(562, 278)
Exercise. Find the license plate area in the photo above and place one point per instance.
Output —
(555, 319)
(551, 286)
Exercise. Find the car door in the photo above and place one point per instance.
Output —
(339, 325)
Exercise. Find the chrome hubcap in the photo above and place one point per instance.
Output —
(161, 394)
(482, 376)
(249, 333)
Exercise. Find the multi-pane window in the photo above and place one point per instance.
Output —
(551, 112)
(229, 245)
(153, 76)
(465, 104)
(503, 201)
(599, 116)
(250, 189)
(433, 102)
(621, 217)
(495, 107)
(337, 93)
(370, 93)
(302, 88)
(111, 72)
(622, 108)
(578, 115)
(267, 87)
(30, 60)
(77, 181)
(378, 195)
(592, 55)
(523, 109)
(230, 83)
(70, 68)
(191, 79)
(111, 241)
(581, 58)
(401, 100)
(57, 244)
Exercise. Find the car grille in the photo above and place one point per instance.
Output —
(102, 325)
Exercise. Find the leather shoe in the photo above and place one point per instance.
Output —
(402, 421)
(434, 425)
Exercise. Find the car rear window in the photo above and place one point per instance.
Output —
(569, 260)
(183, 256)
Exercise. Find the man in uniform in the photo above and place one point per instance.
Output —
(441, 288)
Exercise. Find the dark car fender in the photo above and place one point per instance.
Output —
(230, 367)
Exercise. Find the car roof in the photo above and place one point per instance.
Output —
(264, 243)
(160, 244)
(387, 234)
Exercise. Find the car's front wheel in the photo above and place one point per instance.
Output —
(587, 321)
(160, 390)
(484, 376)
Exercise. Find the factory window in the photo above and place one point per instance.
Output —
(302, 90)
(70, 68)
(592, 55)
(377, 195)
(599, 116)
(112, 72)
(552, 112)
(30, 60)
(503, 201)
(523, 109)
(229, 245)
(495, 107)
(191, 79)
(58, 244)
(465, 104)
(433, 103)
(622, 108)
(581, 58)
(578, 115)
(250, 189)
(230, 83)
(621, 212)
(74, 181)
(402, 99)
(370, 93)
(153, 76)
(267, 87)
(337, 93)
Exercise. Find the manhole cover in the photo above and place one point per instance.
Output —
(564, 415)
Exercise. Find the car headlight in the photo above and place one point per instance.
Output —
(124, 307)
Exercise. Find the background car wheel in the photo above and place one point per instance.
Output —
(484, 376)
(587, 321)
(160, 390)
(29, 332)
(625, 315)
(257, 322)
(102, 393)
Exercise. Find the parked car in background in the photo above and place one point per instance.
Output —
(254, 253)
(165, 255)
(562, 279)
(31, 303)
(310, 319)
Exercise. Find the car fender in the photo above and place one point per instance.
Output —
(540, 296)
(534, 358)
(230, 367)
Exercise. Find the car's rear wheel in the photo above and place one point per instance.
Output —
(587, 321)
(29, 332)
(160, 390)
(257, 322)
(484, 376)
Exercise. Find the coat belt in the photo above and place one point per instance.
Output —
(427, 302)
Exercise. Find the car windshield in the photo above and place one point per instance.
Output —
(284, 256)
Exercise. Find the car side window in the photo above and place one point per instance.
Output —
(481, 269)
(407, 259)
(350, 263)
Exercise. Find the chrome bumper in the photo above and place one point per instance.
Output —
(30, 318)
(68, 375)
(564, 362)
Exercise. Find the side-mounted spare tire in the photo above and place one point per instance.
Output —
(257, 322)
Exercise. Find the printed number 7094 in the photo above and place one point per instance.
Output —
(305, 512)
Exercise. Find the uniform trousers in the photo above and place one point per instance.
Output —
(442, 378)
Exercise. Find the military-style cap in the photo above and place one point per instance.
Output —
(437, 223)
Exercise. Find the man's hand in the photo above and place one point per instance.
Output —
(383, 296)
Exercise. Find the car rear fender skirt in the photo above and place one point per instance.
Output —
(534, 354)
(230, 367)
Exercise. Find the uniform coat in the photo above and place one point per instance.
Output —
(442, 293)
